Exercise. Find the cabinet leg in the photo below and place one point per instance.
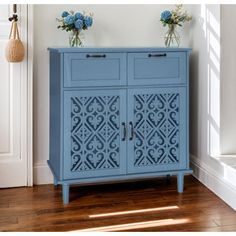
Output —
(180, 182)
(55, 182)
(66, 193)
(168, 181)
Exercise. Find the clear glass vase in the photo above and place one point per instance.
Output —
(172, 38)
(75, 39)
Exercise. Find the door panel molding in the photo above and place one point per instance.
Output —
(30, 45)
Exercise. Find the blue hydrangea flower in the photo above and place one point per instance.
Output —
(79, 24)
(64, 14)
(166, 15)
(78, 15)
(88, 21)
(69, 20)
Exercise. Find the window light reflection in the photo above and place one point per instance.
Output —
(134, 211)
(137, 225)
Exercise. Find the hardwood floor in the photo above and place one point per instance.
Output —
(151, 205)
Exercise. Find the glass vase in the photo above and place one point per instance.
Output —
(75, 39)
(172, 38)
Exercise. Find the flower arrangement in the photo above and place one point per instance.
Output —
(172, 19)
(75, 22)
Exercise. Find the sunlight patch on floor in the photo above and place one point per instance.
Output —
(133, 211)
(137, 225)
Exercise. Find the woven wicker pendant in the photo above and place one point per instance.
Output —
(14, 50)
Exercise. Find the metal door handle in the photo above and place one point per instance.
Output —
(132, 130)
(124, 131)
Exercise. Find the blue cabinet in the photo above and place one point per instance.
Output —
(118, 114)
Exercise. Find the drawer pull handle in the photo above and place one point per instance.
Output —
(96, 56)
(157, 55)
(124, 131)
(132, 130)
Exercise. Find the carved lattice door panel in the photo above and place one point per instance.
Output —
(93, 133)
(158, 117)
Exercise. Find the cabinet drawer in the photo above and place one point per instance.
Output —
(94, 69)
(156, 68)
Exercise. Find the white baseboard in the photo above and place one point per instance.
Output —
(42, 174)
(213, 181)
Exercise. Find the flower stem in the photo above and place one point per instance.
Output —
(74, 39)
(172, 37)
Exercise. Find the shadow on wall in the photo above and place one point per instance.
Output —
(214, 170)
(205, 84)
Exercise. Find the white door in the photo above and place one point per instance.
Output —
(13, 106)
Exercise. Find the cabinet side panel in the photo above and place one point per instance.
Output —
(187, 108)
(55, 101)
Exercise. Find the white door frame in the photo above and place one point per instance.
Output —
(30, 30)
(16, 141)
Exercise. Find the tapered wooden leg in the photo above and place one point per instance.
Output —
(66, 193)
(168, 179)
(55, 182)
(180, 182)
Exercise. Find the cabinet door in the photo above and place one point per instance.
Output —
(93, 133)
(159, 120)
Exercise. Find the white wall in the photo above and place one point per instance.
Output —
(213, 170)
(205, 82)
(228, 79)
(114, 26)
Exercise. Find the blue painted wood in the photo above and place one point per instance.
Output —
(55, 181)
(66, 193)
(126, 177)
(96, 69)
(56, 77)
(156, 68)
(111, 122)
(116, 49)
(159, 120)
(93, 133)
(180, 182)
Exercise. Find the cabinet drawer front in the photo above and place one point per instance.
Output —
(159, 120)
(156, 68)
(93, 133)
(94, 69)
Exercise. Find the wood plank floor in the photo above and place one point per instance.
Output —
(151, 205)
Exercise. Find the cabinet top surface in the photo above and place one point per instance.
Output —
(115, 49)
